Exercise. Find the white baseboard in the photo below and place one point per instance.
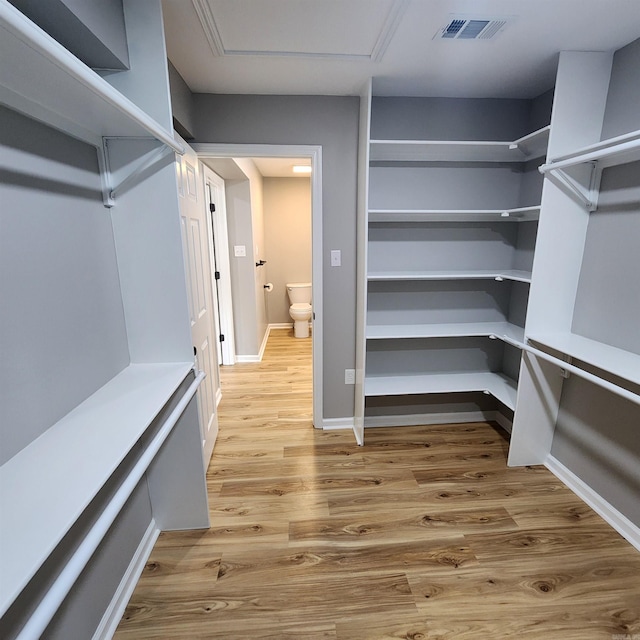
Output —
(281, 325)
(608, 512)
(335, 424)
(218, 396)
(118, 604)
(412, 420)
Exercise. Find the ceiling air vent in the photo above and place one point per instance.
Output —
(470, 29)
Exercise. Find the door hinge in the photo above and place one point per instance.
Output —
(216, 275)
(222, 337)
(212, 207)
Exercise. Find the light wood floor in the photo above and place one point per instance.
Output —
(422, 533)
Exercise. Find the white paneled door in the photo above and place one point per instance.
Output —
(195, 239)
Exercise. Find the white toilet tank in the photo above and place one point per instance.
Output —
(299, 292)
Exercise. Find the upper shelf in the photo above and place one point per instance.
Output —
(506, 274)
(526, 148)
(40, 78)
(40, 500)
(520, 214)
(607, 153)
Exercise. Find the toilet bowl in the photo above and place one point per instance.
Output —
(300, 310)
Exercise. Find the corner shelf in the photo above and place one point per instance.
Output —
(519, 214)
(41, 499)
(506, 274)
(618, 362)
(526, 148)
(496, 384)
(40, 78)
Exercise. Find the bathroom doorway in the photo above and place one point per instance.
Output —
(214, 156)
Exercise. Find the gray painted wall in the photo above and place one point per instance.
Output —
(622, 113)
(242, 268)
(63, 332)
(287, 216)
(449, 119)
(181, 103)
(597, 438)
(93, 30)
(310, 120)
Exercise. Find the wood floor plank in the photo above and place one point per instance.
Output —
(392, 526)
(423, 533)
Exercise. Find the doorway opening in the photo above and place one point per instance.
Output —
(212, 155)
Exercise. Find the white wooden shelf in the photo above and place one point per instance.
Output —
(41, 79)
(40, 500)
(446, 330)
(526, 148)
(506, 274)
(497, 384)
(621, 363)
(607, 153)
(520, 214)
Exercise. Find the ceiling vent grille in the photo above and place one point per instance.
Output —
(471, 29)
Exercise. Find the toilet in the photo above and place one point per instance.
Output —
(300, 309)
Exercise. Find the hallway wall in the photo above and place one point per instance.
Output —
(330, 121)
(287, 218)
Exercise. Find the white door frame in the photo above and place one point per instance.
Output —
(314, 152)
(219, 247)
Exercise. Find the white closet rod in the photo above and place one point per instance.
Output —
(58, 591)
(43, 43)
(593, 156)
(605, 384)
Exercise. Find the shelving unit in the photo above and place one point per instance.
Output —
(447, 280)
(132, 432)
(583, 306)
(119, 414)
(40, 78)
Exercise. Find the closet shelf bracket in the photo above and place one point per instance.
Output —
(109, 190)
(588, 196)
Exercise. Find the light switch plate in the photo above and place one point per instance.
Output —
(239, 251)
(336, 258)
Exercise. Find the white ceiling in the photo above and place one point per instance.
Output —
(333, 46)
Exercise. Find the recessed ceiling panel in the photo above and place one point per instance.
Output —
(331, 28)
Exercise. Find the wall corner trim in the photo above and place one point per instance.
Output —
(336, 424)
(608, 512)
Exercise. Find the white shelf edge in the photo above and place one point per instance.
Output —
(497, 384)
(119, 413)
(35, 40)
(518, 214)
(508, 274)
(616, 361)
(499, 330)
(462, 150)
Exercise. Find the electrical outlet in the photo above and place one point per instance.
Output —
(349, 376)
(239, 251)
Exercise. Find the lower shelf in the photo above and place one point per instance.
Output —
(497, 384)
(40, 499)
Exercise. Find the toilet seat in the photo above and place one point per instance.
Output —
(300, 306)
